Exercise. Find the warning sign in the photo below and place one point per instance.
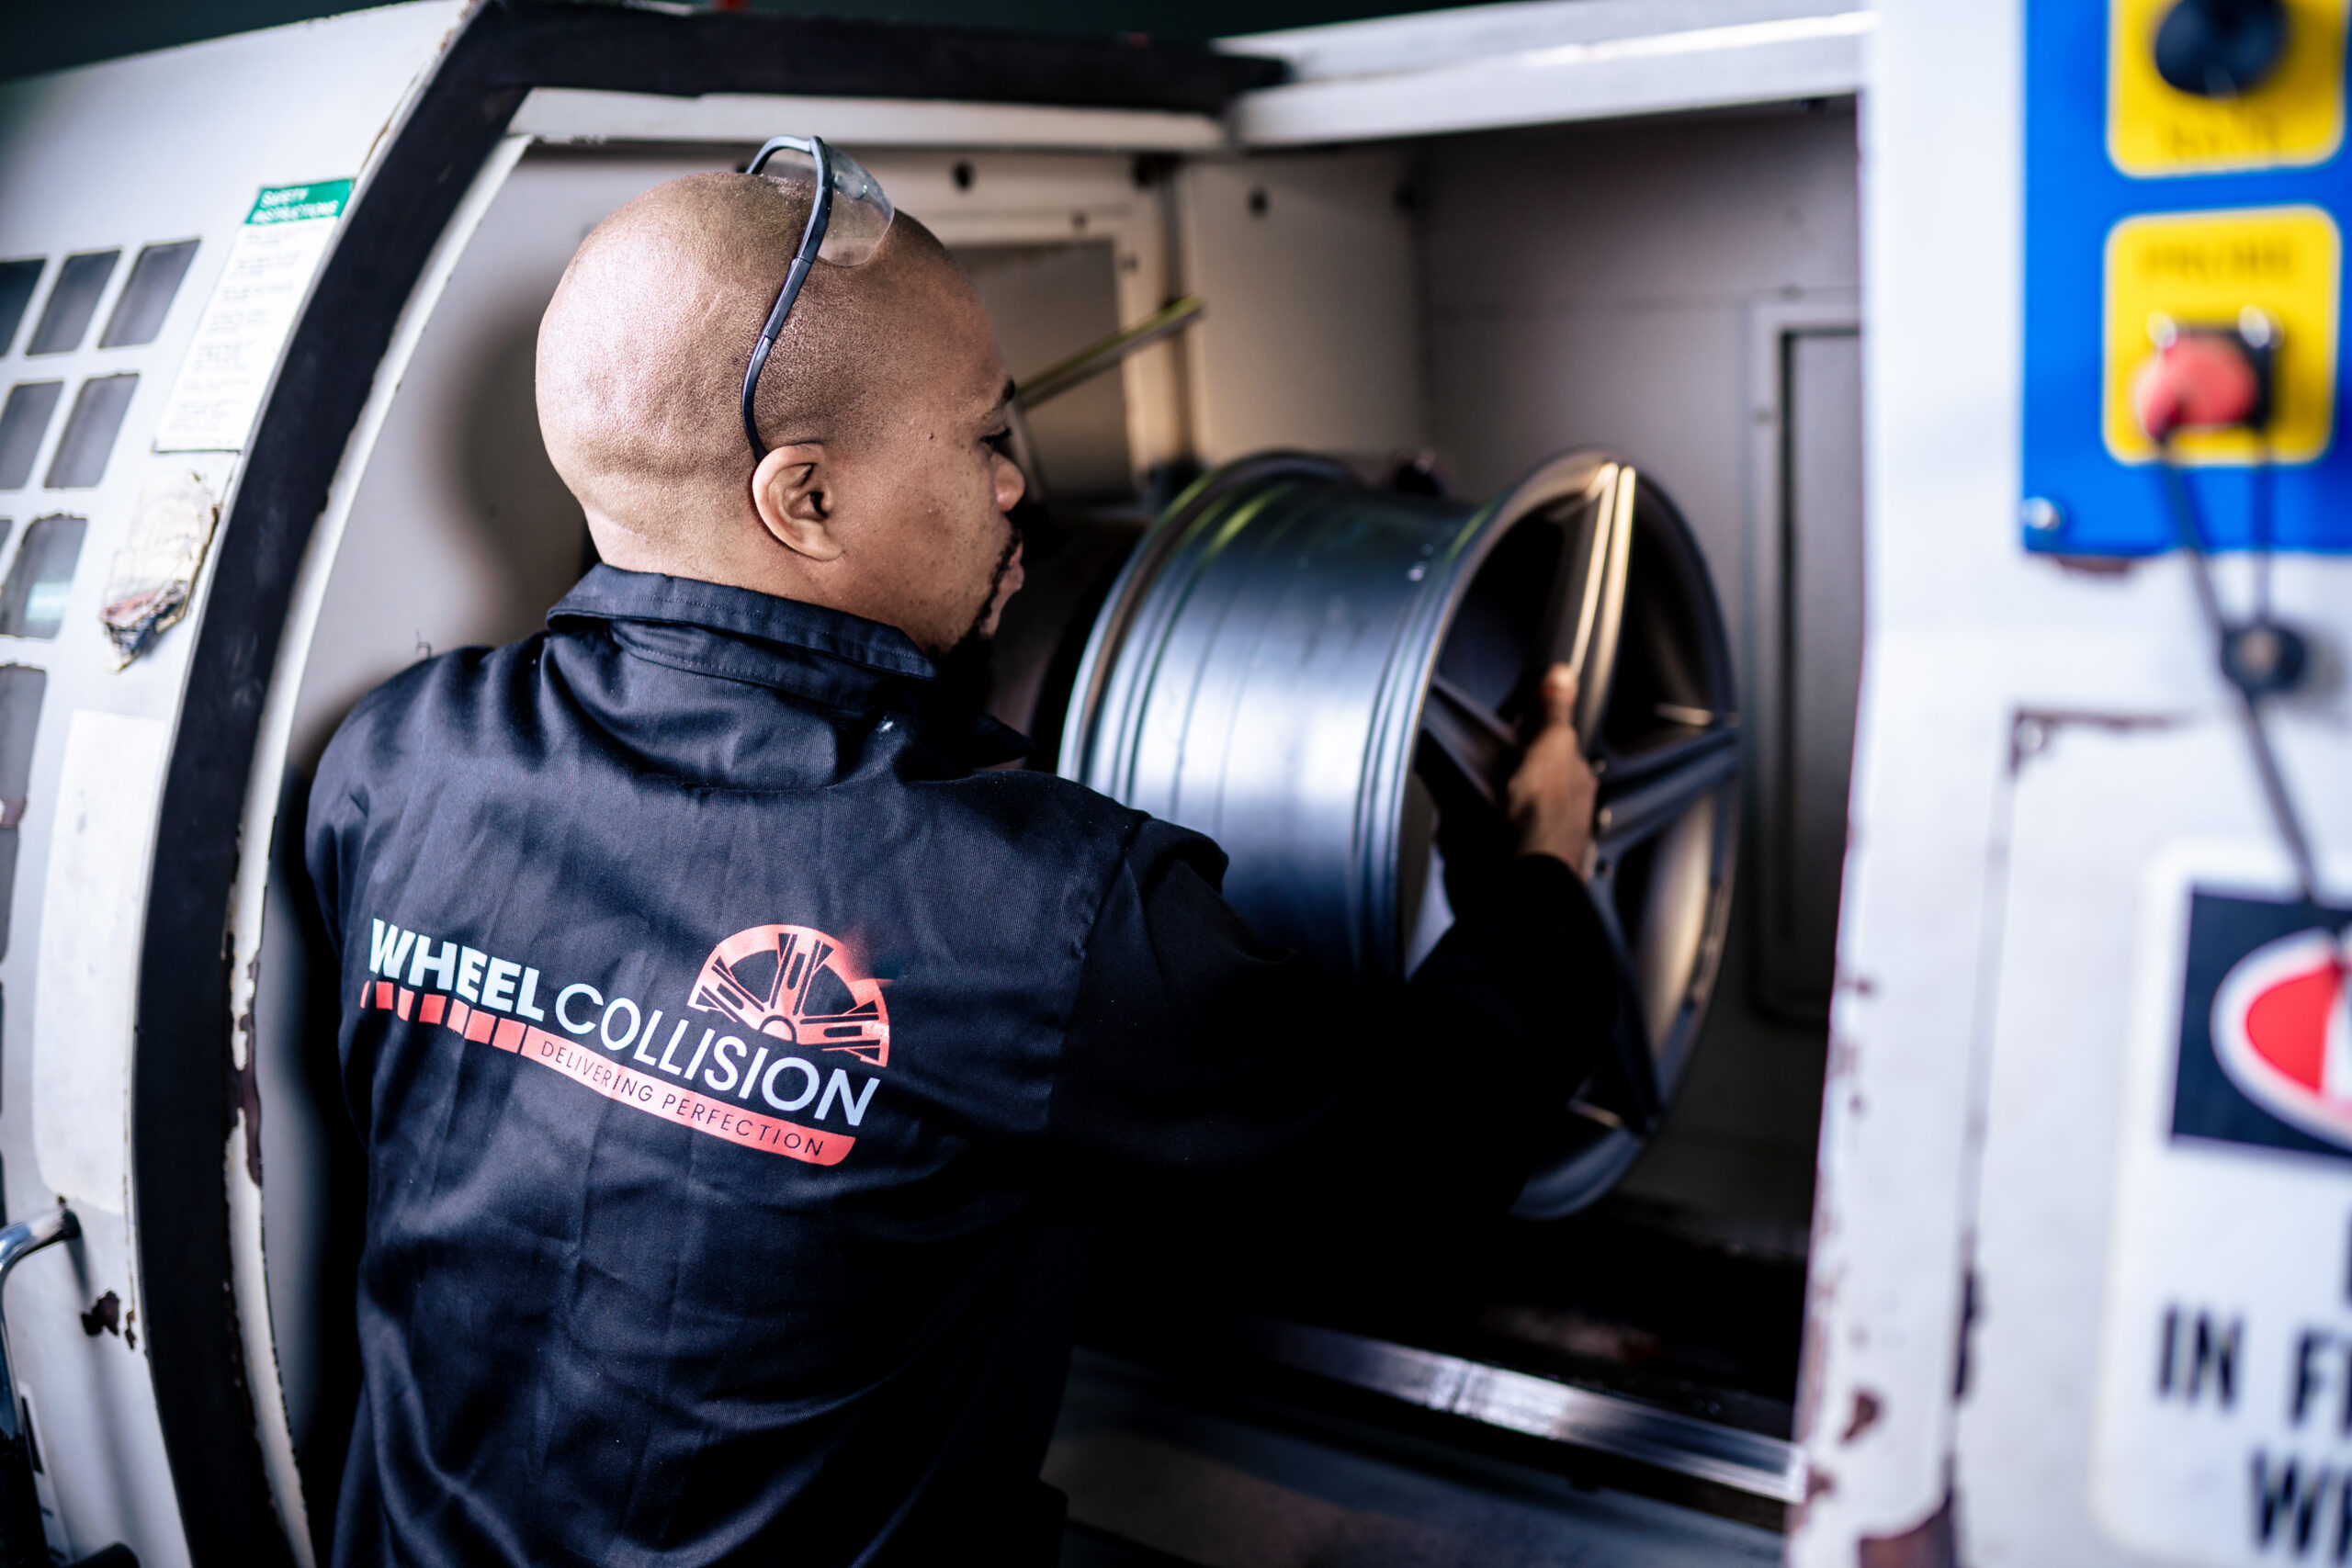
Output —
(242, 330)
(2224, 1414)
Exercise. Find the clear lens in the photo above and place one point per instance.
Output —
(861, 213)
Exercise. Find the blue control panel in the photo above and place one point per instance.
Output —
(2144, 204)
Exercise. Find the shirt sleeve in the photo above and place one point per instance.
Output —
(333, 822)
(1198, 1052)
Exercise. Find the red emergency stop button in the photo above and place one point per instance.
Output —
(2206, 378)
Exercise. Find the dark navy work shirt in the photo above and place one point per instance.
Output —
(726, 1050)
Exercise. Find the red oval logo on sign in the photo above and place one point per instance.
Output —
(2283, 1032)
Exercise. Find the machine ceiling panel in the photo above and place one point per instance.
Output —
(1430, 38)
(1534, 64)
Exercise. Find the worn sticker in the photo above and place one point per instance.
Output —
(238, 339)
(154, 574)
(2224, 1411)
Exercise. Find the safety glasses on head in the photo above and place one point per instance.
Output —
(846, 222)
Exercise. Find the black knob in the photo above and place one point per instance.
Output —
(2218, 49)
(2262, 659)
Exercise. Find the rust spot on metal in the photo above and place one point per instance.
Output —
(245, 1087)
(1927, 1544)
(2033, 730)
(1818, 1482)
(104, 1316)
(245, 1083)
(1970, 1309)
(2108, 566)
(1865, 1415)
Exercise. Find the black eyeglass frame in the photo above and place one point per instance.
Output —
(812, 240)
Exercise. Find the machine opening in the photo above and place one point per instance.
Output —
(1413, 397)
(459, 531)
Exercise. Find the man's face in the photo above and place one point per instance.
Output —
(939, 555)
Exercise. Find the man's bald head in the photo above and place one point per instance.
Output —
(642, 351)
(886, 490)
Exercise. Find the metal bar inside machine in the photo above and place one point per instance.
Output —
(1542, 1408)
(1107, 353)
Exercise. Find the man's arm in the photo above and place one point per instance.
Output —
(1198, 1051)
(331, 827)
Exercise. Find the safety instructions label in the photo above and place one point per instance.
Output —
(238, 339)
(2224, 1411)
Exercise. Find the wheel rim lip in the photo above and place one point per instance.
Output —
(1574, 1179)
(1406, 685)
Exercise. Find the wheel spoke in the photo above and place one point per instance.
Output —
(1620, 774)
(1635, 809)
(1642, 1098)
(1473, 736)
(1602, 886)
(1582, 623)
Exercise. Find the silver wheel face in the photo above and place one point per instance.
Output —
(1330, 679)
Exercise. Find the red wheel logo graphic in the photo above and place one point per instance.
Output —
(788, 983)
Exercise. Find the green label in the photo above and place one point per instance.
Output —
(292, 204)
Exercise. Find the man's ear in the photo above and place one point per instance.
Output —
(792, 488)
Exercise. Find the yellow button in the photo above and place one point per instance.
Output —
(2296, 116)
(2200, 269)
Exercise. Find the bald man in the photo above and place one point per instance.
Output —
(731, 1055)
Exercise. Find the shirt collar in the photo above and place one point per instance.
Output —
(608, 594)
(832, 656)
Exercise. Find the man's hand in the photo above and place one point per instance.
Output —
(1553, 793)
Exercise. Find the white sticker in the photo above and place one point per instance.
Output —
(242, 330)
(85, 987)
(2224, 1413)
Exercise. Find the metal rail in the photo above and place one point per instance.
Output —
(1542, 1408)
